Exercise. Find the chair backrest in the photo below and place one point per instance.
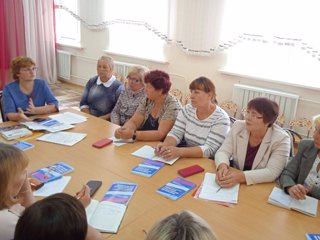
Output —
(304, 123)
(295, 138)
(177, 94)
(230, 107)
(1, 109)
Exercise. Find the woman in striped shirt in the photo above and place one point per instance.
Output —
(200, 127)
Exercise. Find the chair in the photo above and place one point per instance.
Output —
(301, 123)
(1, 109)
(187, 99)
(230, 107)
(280, 120)
(294, 136)
(177, 94)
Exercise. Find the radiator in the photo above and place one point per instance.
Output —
(287, 102)
(121, 69)
(64, 64)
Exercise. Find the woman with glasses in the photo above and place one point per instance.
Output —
(256, 149)
(131, 97)
(102, 91)
(301, 176)
(156, 112)
(200, 127)
(26, 96)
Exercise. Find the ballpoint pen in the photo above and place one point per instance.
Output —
(218, 189)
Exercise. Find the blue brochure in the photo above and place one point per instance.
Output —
(176, 188)
(147, 168)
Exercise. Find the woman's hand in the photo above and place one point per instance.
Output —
(124, 133)
(230, 177)
(21, 116)
(168, 152)
(84, 196)
(298, 192)
(31, 109)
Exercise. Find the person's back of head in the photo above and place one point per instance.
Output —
(59, 216)
(181, 226)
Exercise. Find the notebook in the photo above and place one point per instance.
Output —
(278, 197)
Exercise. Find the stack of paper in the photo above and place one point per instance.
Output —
(210, 190)
(69, 118)
(50, 125)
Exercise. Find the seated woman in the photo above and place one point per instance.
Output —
(259, 148)
(131, 97)
(301, 175)
(155, 114)
(184, 225)
(102, 91)
(59, 216)
(201, 125)
(27, 96)
(15, 190)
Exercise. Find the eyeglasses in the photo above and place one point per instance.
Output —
(251, 115)
(133, 80)
(29, 69)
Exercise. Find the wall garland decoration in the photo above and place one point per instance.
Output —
(280, 41)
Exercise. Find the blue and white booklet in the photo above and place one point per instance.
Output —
(147, 168)
(313, 236)
(53, 172)
(176, 188)
(22, 145)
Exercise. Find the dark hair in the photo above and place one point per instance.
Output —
(159, 80)
(59, 216)
(18, 63)
(204, 84)
(267, 108)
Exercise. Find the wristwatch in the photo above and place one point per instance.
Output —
(134, 135)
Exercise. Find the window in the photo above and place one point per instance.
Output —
(67, 26)
(273, 39)
(135, 28)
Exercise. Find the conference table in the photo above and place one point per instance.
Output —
(251, 218)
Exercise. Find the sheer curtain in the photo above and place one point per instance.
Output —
(273, 39)
(197, 25)
(12, 40)
(40, 37)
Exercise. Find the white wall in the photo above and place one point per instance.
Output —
(190, 67)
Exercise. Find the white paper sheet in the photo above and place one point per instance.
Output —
(64, 138)
(69, 118)
(53, 187)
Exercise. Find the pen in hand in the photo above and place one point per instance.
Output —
(81, 193)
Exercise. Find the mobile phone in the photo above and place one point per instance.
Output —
(94, 186)
(35, 184)
(188, 171)
(102, 142)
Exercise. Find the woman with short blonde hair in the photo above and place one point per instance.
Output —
(184, 225)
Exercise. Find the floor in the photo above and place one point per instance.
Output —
(67, 94)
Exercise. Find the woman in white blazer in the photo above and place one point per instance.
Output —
(256, 149)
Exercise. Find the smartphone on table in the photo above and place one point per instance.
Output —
(94, 186)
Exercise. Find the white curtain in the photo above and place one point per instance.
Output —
(197, 25)
(40, 37)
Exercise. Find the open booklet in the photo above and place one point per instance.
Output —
(47, 124)
(279, 198)
(147, 152)
(210, 190)
(106, 216)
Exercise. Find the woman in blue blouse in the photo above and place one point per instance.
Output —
(102, 91)
(27, 96)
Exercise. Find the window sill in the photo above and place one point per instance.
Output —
(70, 45)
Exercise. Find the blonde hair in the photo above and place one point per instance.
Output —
(18, 63)
(316, 120)
(183, 226)
(12, 161)
(140, 70)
